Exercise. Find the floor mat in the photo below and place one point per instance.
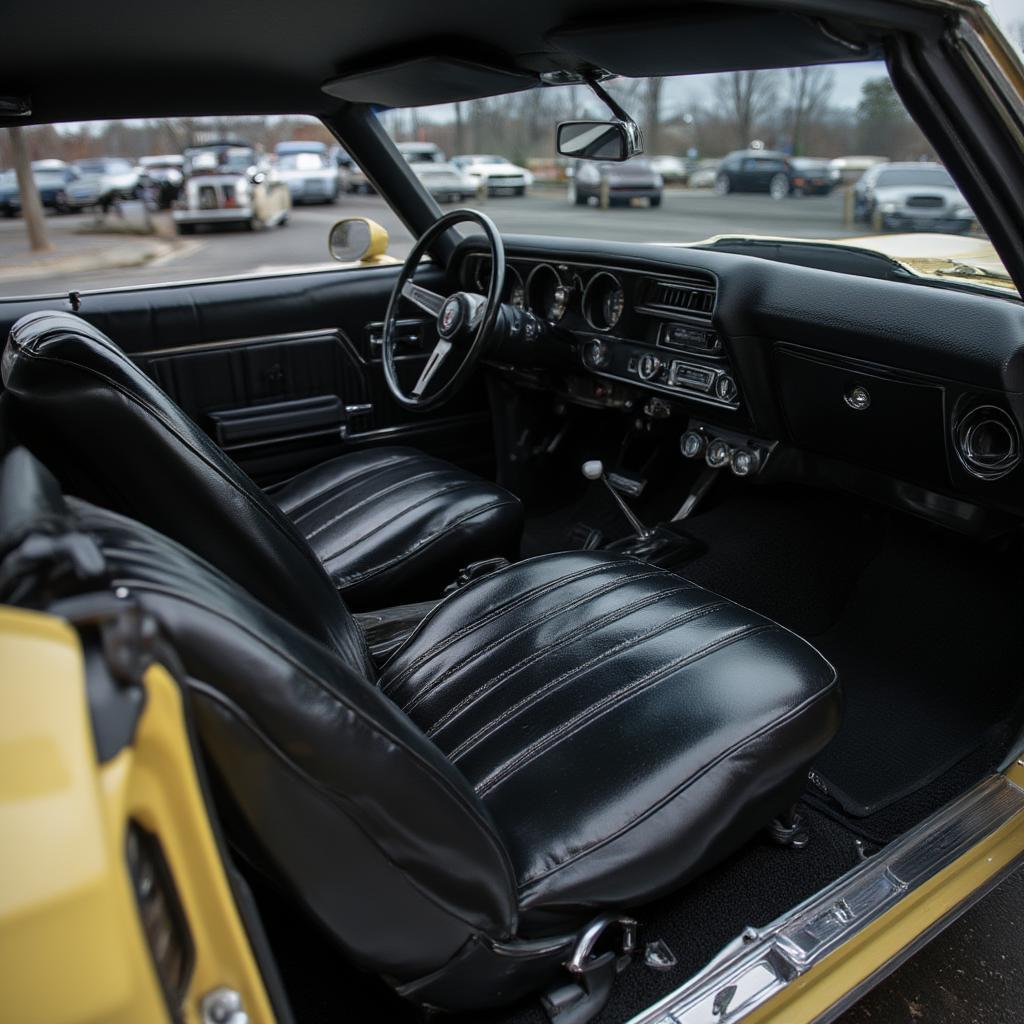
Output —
(924, 629)
(930, 651)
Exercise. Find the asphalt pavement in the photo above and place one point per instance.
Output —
(683, 217)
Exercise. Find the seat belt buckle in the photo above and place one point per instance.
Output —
(474, 571)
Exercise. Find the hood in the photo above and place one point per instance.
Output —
(631, 174)
(489, 168)
(937, 257)
(897, 193)
(298, 174)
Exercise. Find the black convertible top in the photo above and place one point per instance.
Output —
(112, 58)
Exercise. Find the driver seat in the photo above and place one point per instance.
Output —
(389, 525)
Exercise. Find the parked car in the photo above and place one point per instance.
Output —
(850, 168)
(340, 157)
(911, 197)
(56, 183)
(161, 177)
(230, 182)
(634, 179)
(421, 152)
(810, 177)
(704, 174)
(104, 181)
(754, 170)
(356, 181)
(674, 170)
(308, 171)
(501, 176)
(441, 178)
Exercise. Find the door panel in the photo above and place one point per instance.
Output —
(285, 371)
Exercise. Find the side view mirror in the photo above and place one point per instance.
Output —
(615, 140)
(358, 239)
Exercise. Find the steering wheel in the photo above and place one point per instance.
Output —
(465, 320)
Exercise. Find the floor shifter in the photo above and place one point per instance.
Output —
(647, 542)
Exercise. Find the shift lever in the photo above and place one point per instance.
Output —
(594, 470)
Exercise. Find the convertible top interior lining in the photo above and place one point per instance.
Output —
(276, 59)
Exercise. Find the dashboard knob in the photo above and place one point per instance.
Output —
(725, 388)
(648, 366)
(597, 354)
(745, 461)
(691, 444)
(718, 453)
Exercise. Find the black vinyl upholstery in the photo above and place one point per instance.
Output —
(392, 521)
(672, 718)
(575, 732)
(376, 518)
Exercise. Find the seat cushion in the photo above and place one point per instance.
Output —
(624, 727)
(393, 525)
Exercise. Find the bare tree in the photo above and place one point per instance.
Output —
(745, 97)
(652, 93)
(460, 129)
(809, 92)
(31, 205)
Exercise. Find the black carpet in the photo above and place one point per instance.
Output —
(931, 652)
(925, 630)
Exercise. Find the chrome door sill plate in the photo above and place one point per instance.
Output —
(761, 962)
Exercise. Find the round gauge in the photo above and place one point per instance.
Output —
(603, 301)
(545, 293)
(481, 278)
(515, 288)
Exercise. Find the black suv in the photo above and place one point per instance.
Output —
(754, 170)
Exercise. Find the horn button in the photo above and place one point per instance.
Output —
(454, 316)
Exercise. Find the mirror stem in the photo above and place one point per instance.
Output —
(606, 98)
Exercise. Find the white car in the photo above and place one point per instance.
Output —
(501, 176)
(311, 177)
(103, 180)
(441, 177)
(230, 182)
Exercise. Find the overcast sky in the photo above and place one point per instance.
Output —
(848, 78)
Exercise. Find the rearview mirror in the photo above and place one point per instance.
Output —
(358, 239)
(599, 140)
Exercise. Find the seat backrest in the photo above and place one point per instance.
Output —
(330, 787)
(110, 433)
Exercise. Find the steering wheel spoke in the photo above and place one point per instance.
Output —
(430, 302)
(436, 358)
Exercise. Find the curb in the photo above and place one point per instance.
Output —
(124, 254)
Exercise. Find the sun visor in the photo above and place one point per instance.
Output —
(708, 39)
(423, 81)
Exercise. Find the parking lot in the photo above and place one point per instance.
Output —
(685, 216)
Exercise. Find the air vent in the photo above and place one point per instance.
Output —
(693, 295)
(987, 442)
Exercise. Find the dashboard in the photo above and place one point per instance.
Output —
(910, 390)
(654, 331)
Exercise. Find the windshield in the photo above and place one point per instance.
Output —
(935, 176)
(302, 162)
(792, 153)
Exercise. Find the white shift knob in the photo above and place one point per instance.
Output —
(594, 469)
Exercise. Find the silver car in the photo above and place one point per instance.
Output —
(911, 197)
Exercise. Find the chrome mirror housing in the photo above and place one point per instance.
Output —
(599, 140)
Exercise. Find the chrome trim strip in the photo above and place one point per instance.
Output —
(761, 962)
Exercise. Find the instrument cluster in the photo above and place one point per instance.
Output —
(651, 330)
(551, 291)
